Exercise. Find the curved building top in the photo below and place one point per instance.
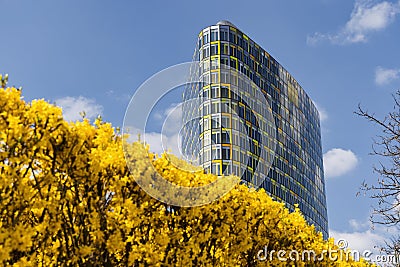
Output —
(225, 22)
(282, 69)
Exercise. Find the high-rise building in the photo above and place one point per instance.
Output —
(251, 118)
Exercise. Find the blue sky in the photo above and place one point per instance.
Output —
(92, 55)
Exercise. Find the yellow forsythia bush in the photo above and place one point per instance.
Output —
(68, 199)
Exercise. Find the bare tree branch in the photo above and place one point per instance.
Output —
(387, 189)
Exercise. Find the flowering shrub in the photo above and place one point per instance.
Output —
(68, 199)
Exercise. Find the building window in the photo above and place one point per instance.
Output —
(214, 63)
(234, 79)
(207, 109)
(214, 49)
(240, 40)
(225, 107)
(224, 92)
(226, 168)
(201, 126)
(206, 51)
(224, 62)
(226, 121)
(225, 49)
(235, 170)
(215, 107)
(206, 125)
(216, 152)
(206, 65)
(206, 78)
(226, 152)
(215, 92)
(207, 139)
(232, 51)
(215, 122)
(224, 76)
(206, 38)
(235, 119)
(216, 138)
(206, 93)
(214, 36)
(215, 168)
(245, 45)
(243, 157)
(235, 140)
(214, 77)
(232, 37)
(225, 138)
(224, 35)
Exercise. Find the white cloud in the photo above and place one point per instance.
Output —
(396, 202)
(323, 115)
(118, 96)
(338, 162)
(358, 226)
(73, 106)
(361, 241)
(365, 236)
(160, 142)
(168, 139)
(385, 76)
(173, 119)
(158, 116)
(173, 113)
(366, 17)
(318, 37)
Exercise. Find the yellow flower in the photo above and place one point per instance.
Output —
(67, 198)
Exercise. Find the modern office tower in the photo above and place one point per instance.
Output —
(249, 117)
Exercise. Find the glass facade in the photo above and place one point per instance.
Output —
(249, 117)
